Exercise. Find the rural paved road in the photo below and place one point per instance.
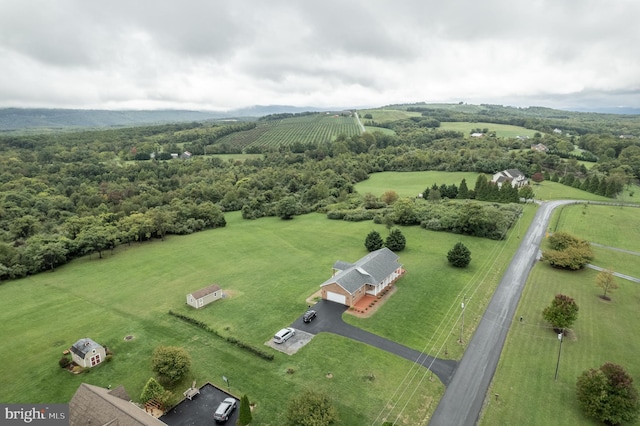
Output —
(462, 401)
(329, 320)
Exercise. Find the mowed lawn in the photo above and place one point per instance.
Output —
(502, 130)
(548, 190)
(410, 184)
(267, 267)
(604, 332)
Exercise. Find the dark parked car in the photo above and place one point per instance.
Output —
(225, 409)
(309, 315)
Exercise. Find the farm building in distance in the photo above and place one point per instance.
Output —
(204, 296)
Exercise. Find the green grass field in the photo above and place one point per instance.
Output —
(268, 267)
(385, 115)
(382, 130)
(502, 130)
(410, 184)
(548, 190)
(604, 331)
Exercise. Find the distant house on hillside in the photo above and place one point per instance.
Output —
(204, 296)
(539, 147)
(369, 275)
(87, 353)
(514, 176)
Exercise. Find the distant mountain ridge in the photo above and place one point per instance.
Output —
(55, 118)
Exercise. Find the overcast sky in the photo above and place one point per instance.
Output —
(214, 55)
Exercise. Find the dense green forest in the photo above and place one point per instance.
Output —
(68, 194)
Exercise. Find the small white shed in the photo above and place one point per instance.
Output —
(204, 296)
(87, 353)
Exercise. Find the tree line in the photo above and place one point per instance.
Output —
(64, 195)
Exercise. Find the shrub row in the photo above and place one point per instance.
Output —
(259, 352)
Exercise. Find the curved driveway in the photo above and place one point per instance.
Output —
(329, 320)
(462, 401)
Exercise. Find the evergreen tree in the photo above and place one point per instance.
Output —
(568, 179)
(244, 416)
(396, 241)
(612, 189)
(452, 191)
(602, 187)
(373, 241)
(459, 256)
(492, 191)
(594, 184)
(481, 187)
(463, 191)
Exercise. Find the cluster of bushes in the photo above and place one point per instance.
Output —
(242, 345)
(470, 218)
(567, 251)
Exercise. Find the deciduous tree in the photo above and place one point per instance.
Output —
(562, 312)
(606, 282)
(170, 363)
(311, 408)
(608, 395)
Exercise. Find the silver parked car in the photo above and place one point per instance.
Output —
(284, 335)
(225, 409)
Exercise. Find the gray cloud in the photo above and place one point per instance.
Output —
(217, 55)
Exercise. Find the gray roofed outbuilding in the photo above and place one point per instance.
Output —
(83, 346)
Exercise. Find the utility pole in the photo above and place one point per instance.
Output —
(560, 337)
(464, 299)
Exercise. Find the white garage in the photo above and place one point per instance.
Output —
(336, 297)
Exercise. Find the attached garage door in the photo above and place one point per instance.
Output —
(335, 297)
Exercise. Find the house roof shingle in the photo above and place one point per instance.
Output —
(371, 269)
(93, 405)
(83, 346)
(204, 291)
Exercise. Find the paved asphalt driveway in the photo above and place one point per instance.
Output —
(462, 400)
(329, 320)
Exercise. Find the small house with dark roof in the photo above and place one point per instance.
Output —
(204, 296)
(369, 275)
(93, 405)
(87, 353)
(513, 176)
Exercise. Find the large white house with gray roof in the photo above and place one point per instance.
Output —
(369, 275)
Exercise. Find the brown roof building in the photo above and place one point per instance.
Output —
(93, 405)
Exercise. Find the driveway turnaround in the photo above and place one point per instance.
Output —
(329, 320)
(463, 398)
(199, 410)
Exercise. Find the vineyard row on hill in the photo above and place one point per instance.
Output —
(311, 129)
